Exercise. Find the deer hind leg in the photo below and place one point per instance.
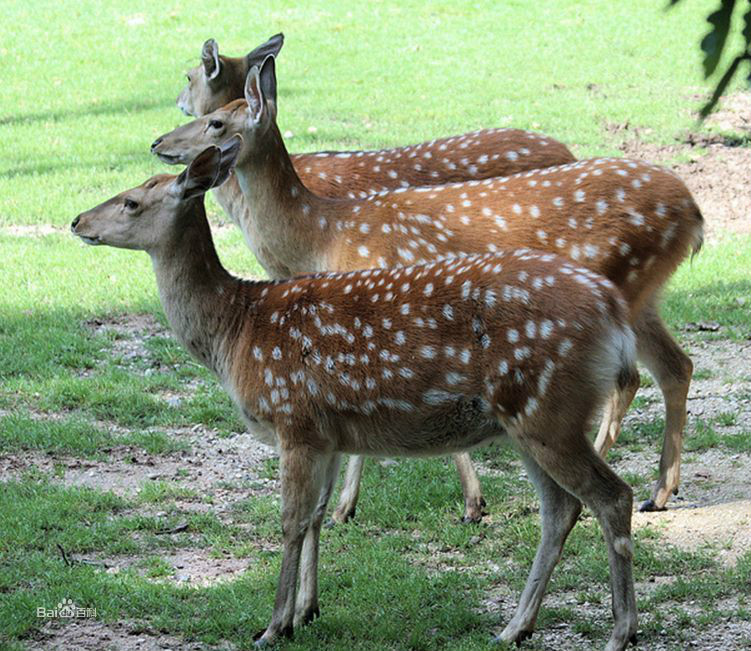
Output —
(574, 465)
(559, 512)
(345, 510)
(306, 609)
(672, 370)
(474, 503)
(303, 473)
(615, 409)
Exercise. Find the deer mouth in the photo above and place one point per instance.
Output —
(170, 159)
(88, 239)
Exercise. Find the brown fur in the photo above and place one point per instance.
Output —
(422, 360)
(631, 221)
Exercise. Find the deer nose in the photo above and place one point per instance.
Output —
(155, 144)
(74, 223)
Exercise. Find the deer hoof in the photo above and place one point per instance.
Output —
(340, 517)
(310, 614)
(516, 639)
(288, 631)
(649, 505)
(474, 512)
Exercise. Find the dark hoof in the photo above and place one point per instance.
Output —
(633, 639)
(288, 632)
(310, 615)
(649, 505)
(675, 491)
(475, 512)
(340, 518)
(523, 635)
(257, 637)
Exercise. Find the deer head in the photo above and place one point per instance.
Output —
(219, 79)
(149, 216)
(250, 118)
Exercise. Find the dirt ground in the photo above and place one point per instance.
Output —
(716, 168)
(713, 508)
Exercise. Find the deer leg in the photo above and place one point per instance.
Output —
(474, 503)
(306, 609)
(559, 511)
(672, 370)
(615, 410)
(345, 510)
(303, 472)
(575, 466)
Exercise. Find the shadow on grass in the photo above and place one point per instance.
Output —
(115, 106)
(101, 164)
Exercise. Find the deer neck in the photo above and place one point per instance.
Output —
(282, 215)
(205, 304)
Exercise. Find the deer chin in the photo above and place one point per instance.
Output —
(171, 159)
(92, 241)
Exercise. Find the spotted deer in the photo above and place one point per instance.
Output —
(219, 79)
(630, 221)
(477, 155)
(419, 360)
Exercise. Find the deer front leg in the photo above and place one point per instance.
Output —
(474, 503)
(345, 510)
(306, 609)
(303, 472)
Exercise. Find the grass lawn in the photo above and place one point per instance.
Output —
(87, 87)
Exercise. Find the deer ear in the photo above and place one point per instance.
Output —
(272, 46)
(268, 78)
(200, 176)
(253, 95)
(229, 152)
(210, 59)
(260, 90)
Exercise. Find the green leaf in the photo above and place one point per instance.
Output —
(713, 43)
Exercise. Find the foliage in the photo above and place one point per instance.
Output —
(714, 43)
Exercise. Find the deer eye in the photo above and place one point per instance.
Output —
(188, 78)
(130, 204)
(216, 124)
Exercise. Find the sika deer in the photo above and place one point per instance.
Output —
(630, 221)
(477, 155)
(220, 79)
(416, 361)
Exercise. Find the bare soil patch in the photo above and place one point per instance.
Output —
(189, 567)
(130, 333)
(716, 168)
(95, 635)
(214, 466)
(33, 230)
(714, 504)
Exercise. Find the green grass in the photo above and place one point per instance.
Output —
(75, 436)
(77, 129)
(89, 86)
